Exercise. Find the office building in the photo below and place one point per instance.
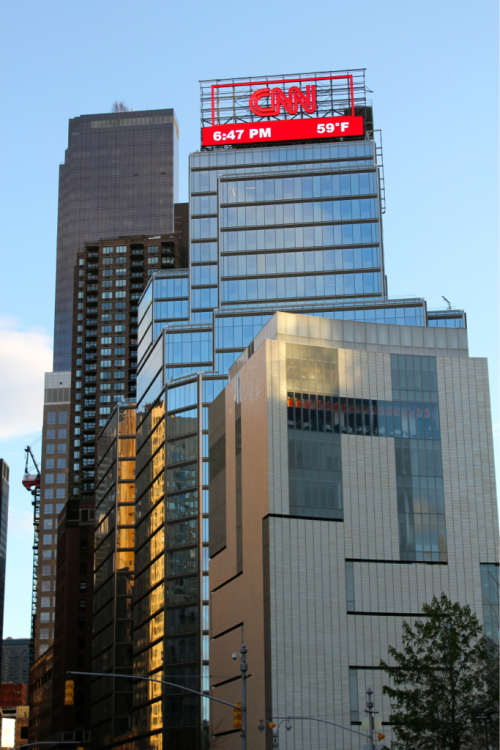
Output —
(16, 660)
(53, 495)
(341, 500)
(119, 177)
(73, 620)
(14, 715)
(4, 518)
(40, 697)
(293, 226)
(114, 579)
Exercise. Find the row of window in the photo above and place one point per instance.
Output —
(291, 287)
(300, 213)
(205, 298)
(188, 347)
(172, 288)
(282, 154)
(50, 463)
(171, 309)
(293, 188)
(117, 249)
(309, 261)
(357, 416)
(51, 448)
(275, 239)
(61, 434)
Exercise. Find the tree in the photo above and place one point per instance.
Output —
(119, 107)
(444, 683)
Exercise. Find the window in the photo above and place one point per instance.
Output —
(49, 479)
(60, 495)
(49, 463)
(119, 387)
(83, 585)
(121, 249)
(119, 374)
(47, 523)
(59, 507)
(118, 351)
(82, 604)
(62, 434)
(107, 250)
(61, 447)
(51, 435)
(48, 507)
(63, 417)
(47, 554)
(153, 249)
(61, 478)
(50, 448)
(47, 538)
(51, 417)
(61, 463)
(152, 261)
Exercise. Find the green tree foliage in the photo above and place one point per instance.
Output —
(444, 682)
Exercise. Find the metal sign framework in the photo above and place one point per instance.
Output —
(226, 101)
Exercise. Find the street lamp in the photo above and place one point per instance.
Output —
(276, 729)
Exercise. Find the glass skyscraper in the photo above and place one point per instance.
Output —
(294, 228)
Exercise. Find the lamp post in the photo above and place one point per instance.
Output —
(369, 710)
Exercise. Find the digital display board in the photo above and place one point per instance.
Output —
(275, 113)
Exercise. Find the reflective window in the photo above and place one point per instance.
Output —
(295, 237)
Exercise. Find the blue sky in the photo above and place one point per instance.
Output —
(433, 70)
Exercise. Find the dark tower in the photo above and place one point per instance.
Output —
(119, 177)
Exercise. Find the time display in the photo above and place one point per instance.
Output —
(282, 130)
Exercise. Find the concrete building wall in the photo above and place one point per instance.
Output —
(290, 602)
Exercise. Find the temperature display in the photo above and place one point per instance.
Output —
(282, 130)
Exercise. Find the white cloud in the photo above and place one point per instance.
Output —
(25, 355)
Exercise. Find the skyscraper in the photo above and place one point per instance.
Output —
(16, 660)
(286, 214)
(120, 176)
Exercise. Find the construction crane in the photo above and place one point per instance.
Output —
(32, 483)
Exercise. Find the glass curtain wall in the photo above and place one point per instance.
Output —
(114, 578)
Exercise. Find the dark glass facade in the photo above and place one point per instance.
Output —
(119, 177)
(114, 579)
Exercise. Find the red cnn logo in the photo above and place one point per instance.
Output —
(277, 97)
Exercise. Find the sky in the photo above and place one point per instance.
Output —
(433, 71)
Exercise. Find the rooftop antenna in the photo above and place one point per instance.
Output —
(448, 302)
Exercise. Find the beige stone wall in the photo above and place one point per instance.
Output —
(313, 641)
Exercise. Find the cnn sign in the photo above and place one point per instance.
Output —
(275, 102)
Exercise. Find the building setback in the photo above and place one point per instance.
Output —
(119, 177)
(364, 436)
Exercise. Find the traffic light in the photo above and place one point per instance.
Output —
(237, 716)
(380, 737)
(69, 693)
(271, 725)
